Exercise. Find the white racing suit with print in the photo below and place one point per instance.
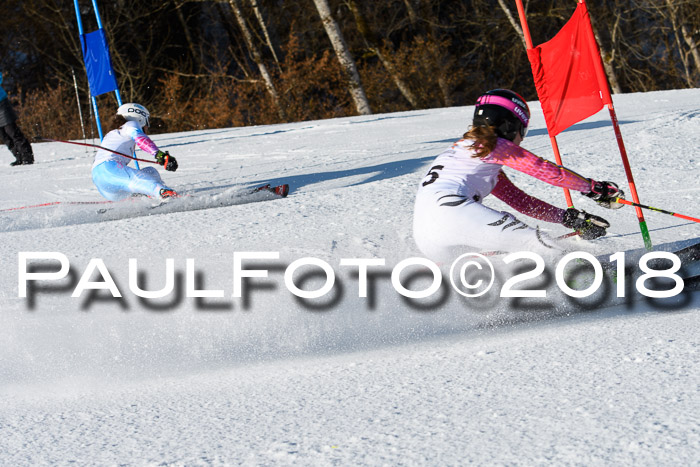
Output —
(450, 219)
(111, 173)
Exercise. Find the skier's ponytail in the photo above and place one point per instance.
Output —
(117, 122)
(484, 138)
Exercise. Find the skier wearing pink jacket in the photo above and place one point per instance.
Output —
(449, 217)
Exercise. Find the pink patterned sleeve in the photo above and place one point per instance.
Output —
(511, 155)
(146, 144)
(142, 140)
(524, 203)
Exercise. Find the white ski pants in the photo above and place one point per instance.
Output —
(116, 181)
(446, 225)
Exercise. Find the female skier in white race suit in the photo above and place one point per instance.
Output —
(111, 173)
(449, 217)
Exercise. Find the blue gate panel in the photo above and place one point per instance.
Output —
(98, 64)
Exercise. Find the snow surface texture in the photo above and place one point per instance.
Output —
(340, 380)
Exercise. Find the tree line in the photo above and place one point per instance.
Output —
(220, 63)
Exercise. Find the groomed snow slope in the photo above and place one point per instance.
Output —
(345, 380)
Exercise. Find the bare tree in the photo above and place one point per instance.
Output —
(608, 56)
(412, 16)
(257, 58)
(347, 63)
(263, 27)
(513, 22)
(679, 26)
(200, 56)
(651, 43)
(195, 52)
(372, 42)
(435, 53)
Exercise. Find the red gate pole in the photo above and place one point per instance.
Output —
(607, 100)
(552, 139)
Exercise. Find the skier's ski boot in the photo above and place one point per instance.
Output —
(282, 190)
(168, 193)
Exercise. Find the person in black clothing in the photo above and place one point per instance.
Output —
(10, 133)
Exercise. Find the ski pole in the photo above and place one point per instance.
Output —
(98, 147)
(570, 234)
(630, 203)
(55, 203)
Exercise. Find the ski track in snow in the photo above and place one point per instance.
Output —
(93, 380)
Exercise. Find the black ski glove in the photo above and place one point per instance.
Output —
(604, 193)
(166, 160)
(586, 225)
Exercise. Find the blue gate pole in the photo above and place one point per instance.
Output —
(99, 26)
(116, 91)
(92, 98)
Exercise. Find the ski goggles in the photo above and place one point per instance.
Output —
(507, 104)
